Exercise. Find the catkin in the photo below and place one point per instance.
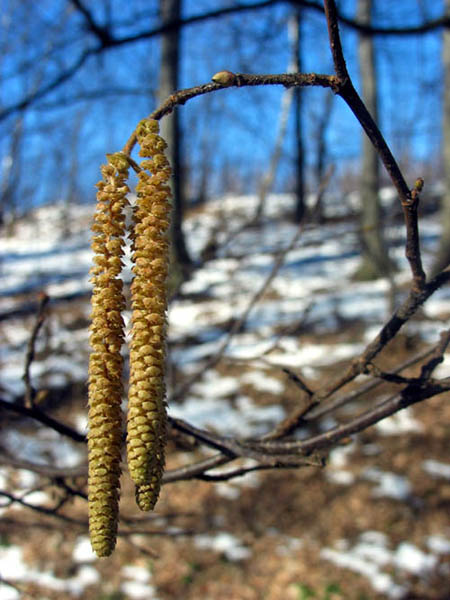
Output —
(105, 362)
(147, 494)
(146, 426)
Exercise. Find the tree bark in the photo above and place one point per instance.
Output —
(11, 176)
(375, 259)
(298, 104)
(289, 95)
(322, 176)
(442, 259)
(170, 10)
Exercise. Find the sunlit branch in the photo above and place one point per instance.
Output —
(29, 356)
(180, 97)
(49, 512)
(64, 76)
(181, 391)
(405, 311)
(412, 394)
(38, 415)
(106, 40)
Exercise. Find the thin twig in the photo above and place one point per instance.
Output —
(194, 470)
(180, 97)
(49, 512)
(316, 461)
(412, 249)
(331, 16)
(181, 391)
(412, 394)
(332, 404)
(437, 356)
(107, 41)
(298, 381)
(30, 392)
(38, 415)
(234, 448)
(409, 198)
(407, 309)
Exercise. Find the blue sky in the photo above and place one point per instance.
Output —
(233, 129)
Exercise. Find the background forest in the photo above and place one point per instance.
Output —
(288, 260)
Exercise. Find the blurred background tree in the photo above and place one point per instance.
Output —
(375, 258)
(76, 76)
(443, 253)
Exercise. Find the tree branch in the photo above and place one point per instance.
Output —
(180, 97)
(49, 512)
(101, 33)
(64, 76)
(309, 412)
(181, 391)
(30, 392)
(412, 394)
(38, 415)
(407, 309)
(107, 40)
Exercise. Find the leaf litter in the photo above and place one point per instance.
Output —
(355, 525)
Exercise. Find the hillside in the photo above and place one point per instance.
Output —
(372, 524)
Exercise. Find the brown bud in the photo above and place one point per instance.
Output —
(224, 78)
(418, 184)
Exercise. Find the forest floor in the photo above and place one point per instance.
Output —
(372, 524)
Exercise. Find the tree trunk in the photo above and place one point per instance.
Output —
(375, 259)
(298, 102)
(11, 176)
(442, 259)
(170, 10)
(322, 176)
(268, 178)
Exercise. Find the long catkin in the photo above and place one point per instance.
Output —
(146, 423)
(105, 362)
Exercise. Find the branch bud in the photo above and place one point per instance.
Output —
(418, 184)
(225, 78)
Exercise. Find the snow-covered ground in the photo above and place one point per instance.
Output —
(49, 251)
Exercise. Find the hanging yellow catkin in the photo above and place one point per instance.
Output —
(105, 363)
(146, 426)
(147, 494)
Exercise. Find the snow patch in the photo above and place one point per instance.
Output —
(370, 556)
(438, 544)
(436, 468)
(263, 382)
(224, 543)
(243, 419)
(390, 485)
(401, 422)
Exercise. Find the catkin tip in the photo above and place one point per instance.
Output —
(146, 423)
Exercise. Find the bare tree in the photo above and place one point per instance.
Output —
(443, 255)
(289, 95)
(11, 172)
(277, 448)
(322, 174)
(298, 113)
(281, 447)
(375, 258)
(170, 11)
